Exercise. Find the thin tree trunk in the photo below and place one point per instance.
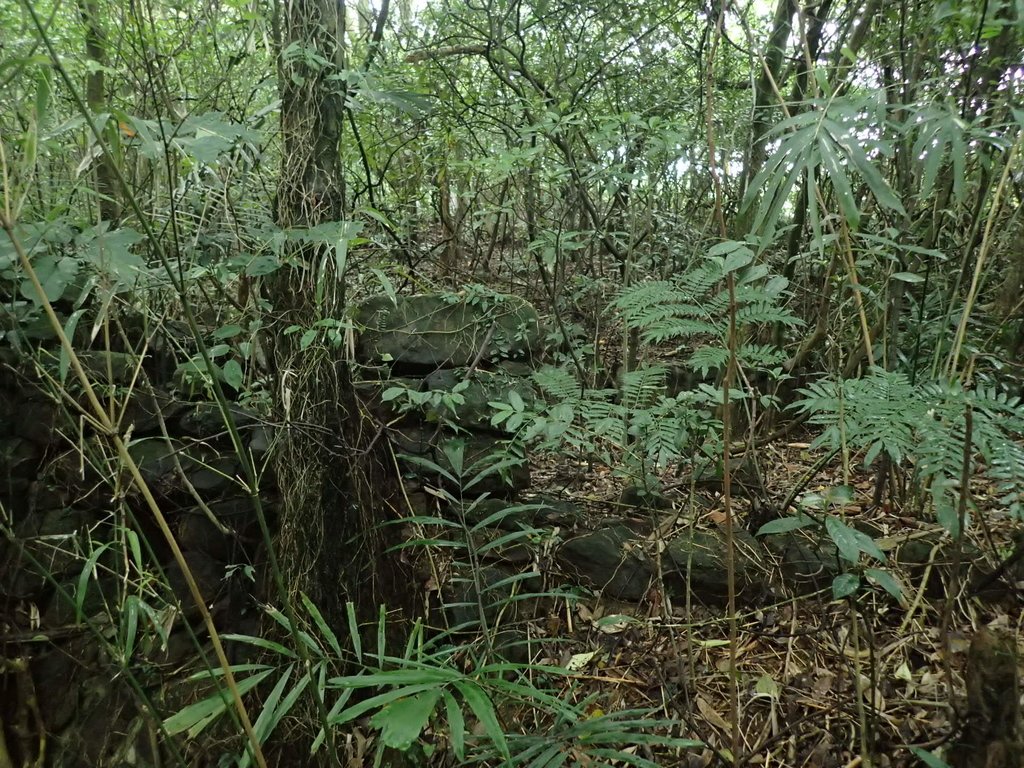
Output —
(96, 98)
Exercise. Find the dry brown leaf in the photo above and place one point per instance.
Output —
(711, 714)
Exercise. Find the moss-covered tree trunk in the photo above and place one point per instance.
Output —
(336, 486)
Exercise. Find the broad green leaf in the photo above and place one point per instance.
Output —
(842, 535)
(262, 264)
(886, 581)
(401, 722)
(766, 686)
(227, 332)
(455, 452)
(944, 497)
(109, 253)
(785, 524)
(516, 401)
(908, 277)
(850, 541)
(731, 255)
(54, 275)
(844, 585)
(393, 393)
(233, 375)
(380, 700)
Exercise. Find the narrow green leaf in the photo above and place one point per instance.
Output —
(321, 625)
(930, 759)
(840, 181)
(69, 330)
(130, 623)
(386, 285)
(484, 711)
(195, 717)
(259, 642)
(431, 466)
(456, 725)
(868, 171)
(82, 586)
(269, 716)
(353, 630)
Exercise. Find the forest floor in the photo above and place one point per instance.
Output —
(819, 680)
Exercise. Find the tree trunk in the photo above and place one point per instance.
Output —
(336, 486)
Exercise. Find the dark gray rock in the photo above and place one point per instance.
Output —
(490, 597)
(155, 459)
(809, 560)
(35, 421)
(513, 516)
(698, 558)
(144, 410)
(206, 469)
(19, 458)
(478, 452)
(205, 420)
(612, 560)
(49, 545)
(430, 331)
(103, 367)
(483, 388)
(639, 496)
(9, 405)
(208, 573)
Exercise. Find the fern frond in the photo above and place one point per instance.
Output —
(558, 384)
(1007, 470)
(643, 387)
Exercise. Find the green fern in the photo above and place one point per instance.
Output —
(696, 305)
(1007, 470)
(557, 384)
(883, 413)
(643, 387)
